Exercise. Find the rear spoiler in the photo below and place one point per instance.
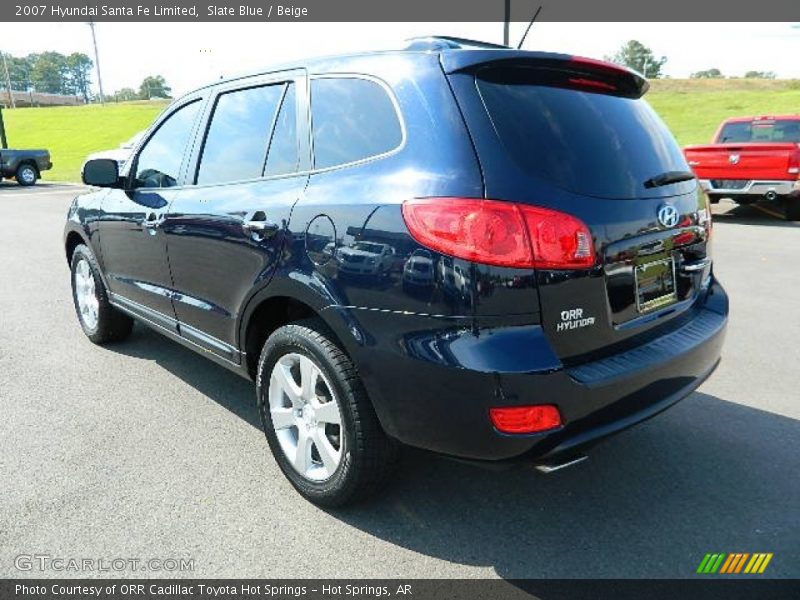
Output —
(615, 79)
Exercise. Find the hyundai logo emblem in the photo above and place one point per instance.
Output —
(668, 215)
(734, 159)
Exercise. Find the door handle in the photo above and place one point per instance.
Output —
(259, 224)
(152, 221)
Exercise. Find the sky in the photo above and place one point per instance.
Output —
(192, 54)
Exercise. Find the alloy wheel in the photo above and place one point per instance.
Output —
(86, 294)
(306, 417)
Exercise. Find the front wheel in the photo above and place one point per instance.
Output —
(100, 321)
(318, 420)
(26, 175)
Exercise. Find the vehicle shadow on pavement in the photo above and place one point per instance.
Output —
(751, 214)
(707, 475)
(224, 387)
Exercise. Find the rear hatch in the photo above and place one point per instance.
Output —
(575, 136)
(759, 161)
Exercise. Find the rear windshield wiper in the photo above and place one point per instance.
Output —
(668, 178)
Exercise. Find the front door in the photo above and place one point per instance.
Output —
(133, 247)
(225, 233)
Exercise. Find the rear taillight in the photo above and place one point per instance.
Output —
(500, 233)
(704, 217)
(525, 419)
(794, 163)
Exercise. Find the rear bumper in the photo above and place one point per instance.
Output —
(754, 188)
(433, 382)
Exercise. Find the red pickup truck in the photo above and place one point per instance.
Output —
(752, 158)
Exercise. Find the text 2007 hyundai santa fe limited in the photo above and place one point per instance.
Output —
(493, 254)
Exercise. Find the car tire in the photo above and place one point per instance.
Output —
(26, 175)
(330, 465)
(100, 321)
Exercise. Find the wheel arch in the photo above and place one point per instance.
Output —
(32, 163)
(72, 240)
(283, 301)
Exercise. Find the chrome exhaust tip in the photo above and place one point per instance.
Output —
(557, 466)
(770, 195)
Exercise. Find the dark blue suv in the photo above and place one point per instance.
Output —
(492, 254)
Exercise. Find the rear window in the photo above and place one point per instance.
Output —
(779, 130)
(236, 144)
(589, 143)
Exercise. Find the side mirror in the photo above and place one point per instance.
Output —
(101, 172)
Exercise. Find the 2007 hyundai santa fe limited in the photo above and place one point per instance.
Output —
(493, 254)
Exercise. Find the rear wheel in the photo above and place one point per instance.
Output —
(100, 321)
(318, 420)
(26, 175)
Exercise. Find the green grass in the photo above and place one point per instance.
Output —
(693, 109)
(73, 132)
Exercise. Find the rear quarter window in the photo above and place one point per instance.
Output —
(353, 119)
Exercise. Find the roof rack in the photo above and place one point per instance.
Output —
(443, 42)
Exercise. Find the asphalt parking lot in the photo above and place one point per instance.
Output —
(146, 450)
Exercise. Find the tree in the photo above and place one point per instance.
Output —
(79, 67)
(639, 57)
(759, 75)
(49, 73)
(125, 95)
(19, 72)
(708, 74)
(154, 86)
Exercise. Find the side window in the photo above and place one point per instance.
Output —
(159, 162)
(352, 119)
(283, 155)
(237, 138)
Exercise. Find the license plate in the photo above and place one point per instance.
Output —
(655, 284)
(729, 184)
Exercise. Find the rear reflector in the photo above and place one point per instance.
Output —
(500, 233)
(525, 419)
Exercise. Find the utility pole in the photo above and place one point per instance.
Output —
(507, 23)
(97, 64)
(3, 140)
(11, 102)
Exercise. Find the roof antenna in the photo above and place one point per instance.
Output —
(524, 35)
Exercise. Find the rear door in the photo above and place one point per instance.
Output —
(226, 231)
(576, 137)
